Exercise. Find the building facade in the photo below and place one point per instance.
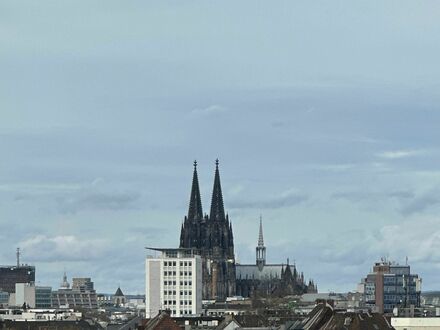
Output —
(118, 298)
(82, 294)
(10, 275)
(211, 236)
(173, 282)
(270, 279)
(82, 284)
(31, 296)
(390, 285)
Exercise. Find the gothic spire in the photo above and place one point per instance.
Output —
(260, 234)
(217, 208)
(195, 203)
(261, 249)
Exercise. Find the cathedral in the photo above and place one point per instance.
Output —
(270, 279)
(211, 236)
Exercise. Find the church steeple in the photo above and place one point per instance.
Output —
(64, 284)
(217, 208)
(260, 234)
(261, 249)
(195, 211)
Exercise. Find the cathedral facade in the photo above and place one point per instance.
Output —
(211, 235)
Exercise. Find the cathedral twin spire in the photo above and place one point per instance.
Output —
(195, 211)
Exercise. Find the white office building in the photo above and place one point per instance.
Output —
(173, 282)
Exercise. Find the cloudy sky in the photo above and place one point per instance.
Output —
(324, 115)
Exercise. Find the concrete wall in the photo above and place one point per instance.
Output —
(25, 293)
(152, 287)
(415, 323)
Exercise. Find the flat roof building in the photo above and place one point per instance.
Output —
(11, 275)
(174, 283)
(391, 285)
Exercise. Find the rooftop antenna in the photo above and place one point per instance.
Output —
(406, 261)
(18, 257)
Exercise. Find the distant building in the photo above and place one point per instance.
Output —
(174, 283)
(82, 284)
(118, 297)
(82, 294)
(33, 296)
(390, 285)
(10, 275)
(270, 279)
(161, 321)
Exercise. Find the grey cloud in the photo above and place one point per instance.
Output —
(209, 110)
(398, 154)
(98, 201)
(147, 232)
(420, 203)
(286, 199)
(354, 252)
(68, 248)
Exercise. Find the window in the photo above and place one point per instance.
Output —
(189, 293)
(189, 263)
(174, 263)
(165, 263)
(165, 293)
(190, 273)
(181, 264)
(186, 264)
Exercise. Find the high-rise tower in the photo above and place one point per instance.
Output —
(212, 236)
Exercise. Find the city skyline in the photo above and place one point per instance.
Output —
(324, 123)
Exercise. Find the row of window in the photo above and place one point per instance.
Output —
(182, 302)
(173, 293)
(182, 263)
(173, 273)
(182, 283)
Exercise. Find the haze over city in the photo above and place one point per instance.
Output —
(324, 117)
